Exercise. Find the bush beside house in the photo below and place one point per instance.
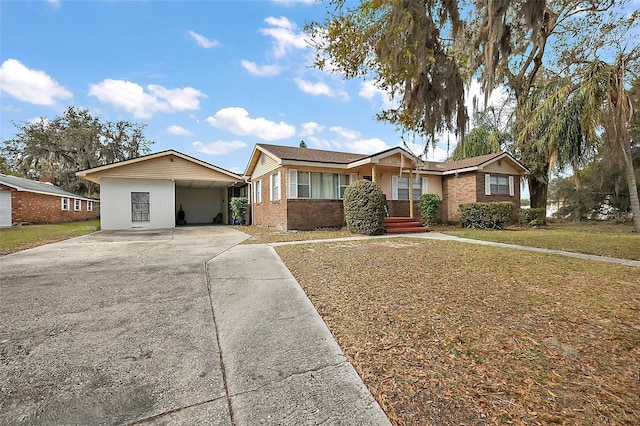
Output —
(364, 208)
(485, 215)
(429, 206)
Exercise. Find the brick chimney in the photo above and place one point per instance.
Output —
(45, 180)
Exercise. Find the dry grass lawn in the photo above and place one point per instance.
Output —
(261, 235)
(452, 333)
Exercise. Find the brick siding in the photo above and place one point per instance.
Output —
(41, 208)
(267, 213)
(458, 189)
(308, 214)
(469, 188)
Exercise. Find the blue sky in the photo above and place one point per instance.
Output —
(209, 79)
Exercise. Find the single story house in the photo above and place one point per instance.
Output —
(158, 190)
(302, 189)
(28, 201)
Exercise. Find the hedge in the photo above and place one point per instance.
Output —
(532, 217)
(429, 205)
(485, 215)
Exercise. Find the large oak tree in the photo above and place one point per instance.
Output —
(57, 148)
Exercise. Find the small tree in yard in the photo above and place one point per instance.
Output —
(429, 206)
(238, 208)
(364, 208)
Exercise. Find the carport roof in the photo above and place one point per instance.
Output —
(95, 173)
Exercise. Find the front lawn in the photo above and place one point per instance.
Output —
(602, 239)
(260, 235)
(19, 238)
(452, 333)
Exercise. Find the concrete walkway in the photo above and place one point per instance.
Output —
(167, 327)
(438, 236)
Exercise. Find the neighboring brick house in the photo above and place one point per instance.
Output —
(27, 201)
(302, 188)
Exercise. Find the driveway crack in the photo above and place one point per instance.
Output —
(175, 410)
(284, 379)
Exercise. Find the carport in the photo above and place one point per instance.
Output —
(149, 191)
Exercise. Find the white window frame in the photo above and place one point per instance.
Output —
(89, 206)
(64, 203)
(339, 186)
(419, 183)
(77, 205)
(275, 186)
(510, 184)
(257, 192)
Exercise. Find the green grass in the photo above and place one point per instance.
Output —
(19, 238)
(602, 239)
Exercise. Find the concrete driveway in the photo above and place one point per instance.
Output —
(121, 328)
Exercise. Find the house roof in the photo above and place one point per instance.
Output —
(475, 163)
(290, 154)
(28, 185)
(93, 174)
(312, 155)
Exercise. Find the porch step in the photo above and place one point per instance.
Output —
(401, 225)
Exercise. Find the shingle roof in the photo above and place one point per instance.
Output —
(312, 155)
(22, 184)
(467, 162)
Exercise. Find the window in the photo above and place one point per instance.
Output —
(499, 185)
(65, 204)
(89, 206)
(275, 186)
(257, 192)
(140, 207)
(400, 187)
(77, 205)
(317, 185)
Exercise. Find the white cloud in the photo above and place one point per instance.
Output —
(261, 70)
(351, 141)
(33, 86)
(237, 121)
(178, 130)
(285, 34)
(202, 40)
(310, 128)
(369, 90)
(436, 153)
(132, 98)
(54, 3)
(320, 89)
(218, 147)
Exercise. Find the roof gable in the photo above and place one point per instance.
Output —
(162, 165)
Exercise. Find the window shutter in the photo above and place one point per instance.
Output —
(512, 191)
(353, 178)
(271, 196)
(394, 187)
(425, 185)
(487, 184)
(293, 183)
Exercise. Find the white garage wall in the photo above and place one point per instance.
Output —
(115, 203)
(200, 204)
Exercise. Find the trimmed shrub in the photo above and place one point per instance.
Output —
(364, 208)
(485, 215)
(429, 205)
(238, 208)
(532, 217)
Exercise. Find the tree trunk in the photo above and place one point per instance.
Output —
(630, 176)
(537, 193)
